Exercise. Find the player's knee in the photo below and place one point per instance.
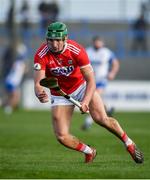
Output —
(113, 122)
(107, 122)
(61, 138)
(102, 120)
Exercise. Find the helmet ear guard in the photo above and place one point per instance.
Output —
(56, 30)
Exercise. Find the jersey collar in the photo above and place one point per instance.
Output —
(65, 47)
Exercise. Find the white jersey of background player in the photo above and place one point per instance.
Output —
(14, 78)
(105, 66)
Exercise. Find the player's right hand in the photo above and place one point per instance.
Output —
(42, 96)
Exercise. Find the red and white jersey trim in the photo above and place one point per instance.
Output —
(86, 66)
(73, 48)
(43, 51)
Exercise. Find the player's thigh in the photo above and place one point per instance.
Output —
(97, 109)
(61, 116)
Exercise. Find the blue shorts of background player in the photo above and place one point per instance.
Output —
(101, 84)
(10, 87)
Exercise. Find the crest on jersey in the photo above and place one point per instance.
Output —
(37, 67)
(70, 61)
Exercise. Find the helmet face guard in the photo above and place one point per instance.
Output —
(56, 30)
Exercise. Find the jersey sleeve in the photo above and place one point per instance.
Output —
(83, 59)
(39, 63)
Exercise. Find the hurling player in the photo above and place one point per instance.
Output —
(67, 61)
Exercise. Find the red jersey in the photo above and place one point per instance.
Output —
(64, 66)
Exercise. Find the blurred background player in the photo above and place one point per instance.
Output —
(105, 66)
(14, 78)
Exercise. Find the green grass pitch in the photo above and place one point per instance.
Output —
(28, 148)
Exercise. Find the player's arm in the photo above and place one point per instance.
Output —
(114, 69)
(39, 90)
(88, 75)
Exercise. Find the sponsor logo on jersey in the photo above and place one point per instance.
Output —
(65, 71)
(37, 67)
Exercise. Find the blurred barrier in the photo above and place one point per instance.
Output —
(29, 100)
(128, 95)
(120, 41)
(122, 95)
(118, 37)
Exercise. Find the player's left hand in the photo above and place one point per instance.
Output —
(84, 108)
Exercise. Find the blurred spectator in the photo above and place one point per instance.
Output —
(25, 16)
(49, 13)
(14, 77)
(10, 19)
(7, 60)
(105, 66)
(140, 27)
(145, 9)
